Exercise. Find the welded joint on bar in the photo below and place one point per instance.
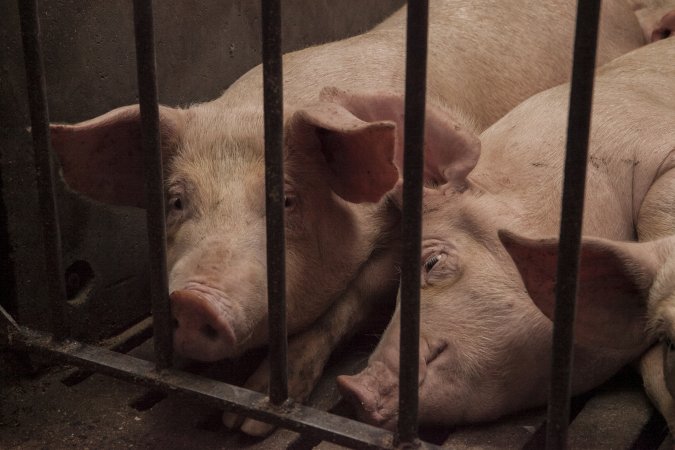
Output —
(284, 409)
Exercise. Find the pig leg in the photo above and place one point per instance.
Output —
(657, 219)
(651, 369)
(309, 350)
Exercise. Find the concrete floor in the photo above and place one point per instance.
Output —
(55, 408)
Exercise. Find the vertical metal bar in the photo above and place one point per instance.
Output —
(274, 199)
(578, 128)
(147, 96)
(413, 164)
(44, 165)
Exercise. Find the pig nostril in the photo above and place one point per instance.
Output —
(209, 331)
(175, 323)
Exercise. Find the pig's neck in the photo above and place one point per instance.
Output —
(511, 208)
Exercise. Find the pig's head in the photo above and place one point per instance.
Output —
(484, 343)
(340, 159)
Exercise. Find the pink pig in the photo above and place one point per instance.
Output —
(341, 156)
(602, 319)
(484, 342)
(656, 17)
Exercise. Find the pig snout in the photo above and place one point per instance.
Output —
(373, 395)
(664, 29)
(202, 329)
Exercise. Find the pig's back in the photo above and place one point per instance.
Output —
(631, 135)
(504, 52)
(484, 56)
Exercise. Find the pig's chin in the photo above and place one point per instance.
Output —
(204, 324)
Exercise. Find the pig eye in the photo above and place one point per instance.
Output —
(432, 261)
(289, 201)
(176, 203)
(440, 263)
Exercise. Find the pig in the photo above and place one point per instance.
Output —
(656, 17)
(484, 342)
(602, 319)
(342, 155)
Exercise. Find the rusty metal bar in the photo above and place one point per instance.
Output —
(578, 129)
(274, 200)
(147, 97)
(303, 419)
(124, 342)
(45, 174)
(411, 228)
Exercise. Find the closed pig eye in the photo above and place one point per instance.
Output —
(439, 263)
(432, 261)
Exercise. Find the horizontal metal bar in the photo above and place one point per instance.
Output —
(574, 184)
(296, 417)
(122, 343)
(148, 99)
(44, 165)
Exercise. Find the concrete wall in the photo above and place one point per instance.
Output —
(202, 47)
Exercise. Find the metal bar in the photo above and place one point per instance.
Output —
(578, 128)
(147, 96)
(303, 419)
(274, 200)
(39, 118)
(411, 228)
(122, 343)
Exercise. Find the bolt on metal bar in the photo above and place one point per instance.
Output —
(39, 117)
(274, 199)
(411, 227)
(578, 129)
(147, 96)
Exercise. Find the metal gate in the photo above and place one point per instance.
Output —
(276, 408)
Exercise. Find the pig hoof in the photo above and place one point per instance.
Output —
(248, 426)
(256, 428)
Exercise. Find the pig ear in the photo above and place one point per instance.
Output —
(614, 282)
(103, 157)
(450, 149)
(359, 154)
